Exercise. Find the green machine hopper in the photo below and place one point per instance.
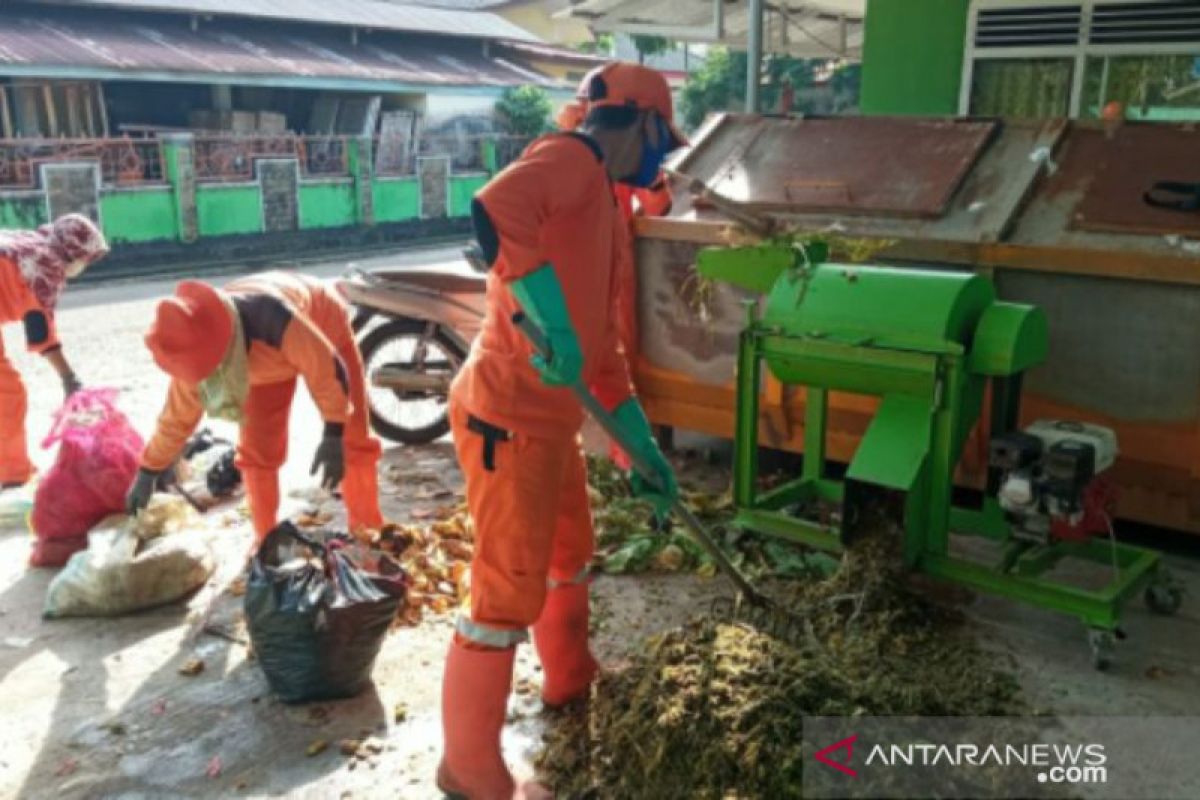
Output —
(928, 344)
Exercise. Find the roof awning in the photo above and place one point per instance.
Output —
(380, 15)
(167, 49)
(817, 29)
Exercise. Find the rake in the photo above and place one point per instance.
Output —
(751, 606)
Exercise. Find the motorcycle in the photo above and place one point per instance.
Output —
(429, 319)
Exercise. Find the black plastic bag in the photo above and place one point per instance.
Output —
(317, 617)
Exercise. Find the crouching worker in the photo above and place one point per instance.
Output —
(235, 354)
(34, 269)
(550, 230)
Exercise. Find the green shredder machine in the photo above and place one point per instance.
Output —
(928, 344)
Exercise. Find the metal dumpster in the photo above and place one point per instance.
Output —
(1051, 211)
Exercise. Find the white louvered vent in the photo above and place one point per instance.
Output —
(1028, 26)
(1146, 23)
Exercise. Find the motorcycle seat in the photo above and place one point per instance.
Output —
(448, 282)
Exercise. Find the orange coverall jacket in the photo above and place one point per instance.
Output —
(18, 304)
(553, 206)
(283, 316)
(294, 327)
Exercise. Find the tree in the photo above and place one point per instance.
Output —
(649, 46)
(601, 45)
(525, 110)
(720, 85)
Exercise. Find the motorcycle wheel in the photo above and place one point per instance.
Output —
(409, 417)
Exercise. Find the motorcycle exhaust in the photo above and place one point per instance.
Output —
(405, 380)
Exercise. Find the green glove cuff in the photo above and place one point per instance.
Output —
(633, 421)
(541, 297)
(636, 430)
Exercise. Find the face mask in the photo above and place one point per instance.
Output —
(653, 155)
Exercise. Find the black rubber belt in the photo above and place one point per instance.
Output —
(491, 434)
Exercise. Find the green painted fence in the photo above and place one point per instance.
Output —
(22, 210)
(462, 189)
(227, 210)
(327, 205)
(396, 199)
(138, 215)
(183, 208)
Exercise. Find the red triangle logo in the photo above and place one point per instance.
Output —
(841, 765)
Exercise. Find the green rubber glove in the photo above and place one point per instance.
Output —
(659, 489)
(540, 296)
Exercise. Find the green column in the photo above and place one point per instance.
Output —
(745, 439)
(488, 148)
(179, 166)
(363, 175)
(913, 56)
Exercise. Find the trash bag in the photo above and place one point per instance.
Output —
(318, 611)
(215, 458)
(97, 459)
(122, 571)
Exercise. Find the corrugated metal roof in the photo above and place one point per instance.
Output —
(343, 13)
(167, 49)
(546, 52)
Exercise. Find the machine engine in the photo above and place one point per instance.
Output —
(1052, 479)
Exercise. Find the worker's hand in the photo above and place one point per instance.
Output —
(330, 460)
(141, 491)
(565, 365)
(657, 484)
(71, 384)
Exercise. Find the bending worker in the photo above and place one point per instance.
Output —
(34, 269)
(549, 228)
(235, 353)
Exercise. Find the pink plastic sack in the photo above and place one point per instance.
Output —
(97, 460)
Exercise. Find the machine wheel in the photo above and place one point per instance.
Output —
(1103, 643)
(1164, 598)
(409, 417)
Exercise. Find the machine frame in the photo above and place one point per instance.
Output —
(929, 390)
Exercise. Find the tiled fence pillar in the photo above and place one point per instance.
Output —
(363, 174)
(179, 165)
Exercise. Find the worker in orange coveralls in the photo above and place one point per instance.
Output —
(633, 201)
(551, 231)
(34, 269)
(235, 353)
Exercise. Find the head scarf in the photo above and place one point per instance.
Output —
(224, 393)
(53, 253)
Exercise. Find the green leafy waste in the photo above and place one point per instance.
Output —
(627, 542)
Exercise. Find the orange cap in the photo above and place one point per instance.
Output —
(621, 83)
(191, 332)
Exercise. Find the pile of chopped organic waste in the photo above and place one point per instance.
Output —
(715, 709)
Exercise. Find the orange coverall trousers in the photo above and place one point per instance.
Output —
(263, 443)
(533, 521)
(15, 466)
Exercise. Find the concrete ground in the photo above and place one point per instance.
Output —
(97, 708)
